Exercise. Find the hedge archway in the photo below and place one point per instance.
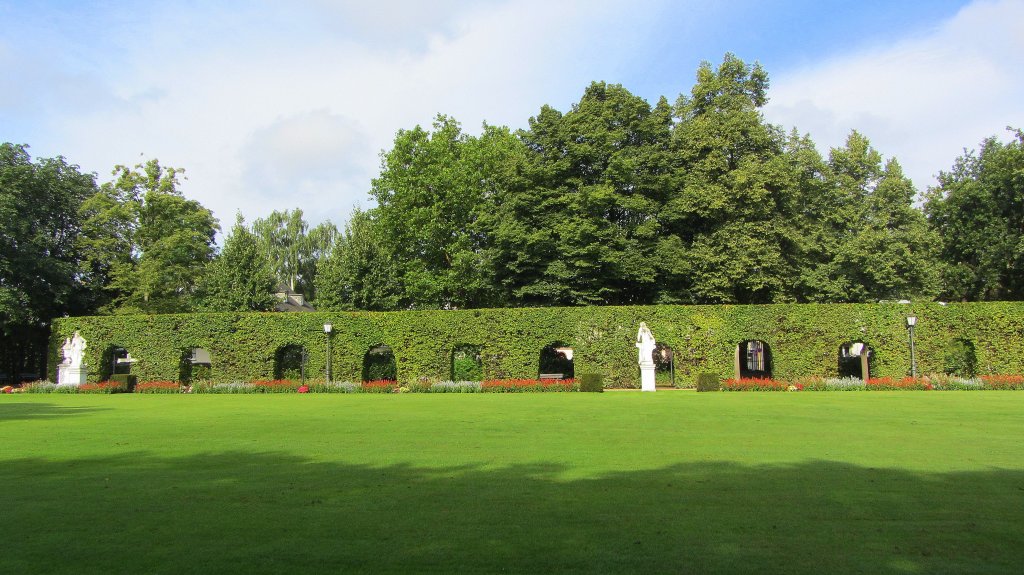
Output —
(851, 363)
(556, 361)
(379, 364)
(753, 360)
(288, 362)
(467, 363)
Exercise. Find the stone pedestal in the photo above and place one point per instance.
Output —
(68, 375)
(647, 376)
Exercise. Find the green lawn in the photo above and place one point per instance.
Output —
(671, 482)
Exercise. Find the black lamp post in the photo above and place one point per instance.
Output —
(911, 322)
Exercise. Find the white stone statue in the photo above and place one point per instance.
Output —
(66, 350)
(645, 344)
(72, 370)
(77, 350)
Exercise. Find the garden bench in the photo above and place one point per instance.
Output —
(551, 376)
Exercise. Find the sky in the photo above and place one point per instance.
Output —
(272, 105)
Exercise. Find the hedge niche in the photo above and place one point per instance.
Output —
(804, 339)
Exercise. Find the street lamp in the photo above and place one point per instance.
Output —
(328, 328)
(911, 322)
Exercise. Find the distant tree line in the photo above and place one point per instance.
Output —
(620, 202)
(612, 202)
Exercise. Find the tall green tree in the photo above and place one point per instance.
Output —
(358, 274)
(239, 278)
(734, 195)
(292, 248)
(978, 210)
(579, 226)
(878, 245)
(434, 191)
(146, 241)
(40, 277)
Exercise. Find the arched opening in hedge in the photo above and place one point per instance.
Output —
(556, 362)
(753, 359)
(115, 360)
(856, 357)
(664, 365)
(961, 359)
(288, 361)
(467, 363)
(379, 364)
(195, 363)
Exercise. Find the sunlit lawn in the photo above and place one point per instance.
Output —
(670, 482)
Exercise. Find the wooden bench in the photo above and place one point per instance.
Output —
(551, 376)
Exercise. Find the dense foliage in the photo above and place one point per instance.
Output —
(145, 242)
(804, 340)
(240, 278)
(978, 209)
(40, 254)
(292, 249)
(619, 202)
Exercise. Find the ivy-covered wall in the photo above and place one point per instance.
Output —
(804, 339)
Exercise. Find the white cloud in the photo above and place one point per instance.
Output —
(290, 108)
(923, 99)
(279, 105)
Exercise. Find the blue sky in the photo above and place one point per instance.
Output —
(271, 105)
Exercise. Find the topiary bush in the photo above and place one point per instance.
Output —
(708, 382)
(592, 382)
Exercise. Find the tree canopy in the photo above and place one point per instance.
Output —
(978, 210)
(616, 201)
(145, 241)
(40, 255)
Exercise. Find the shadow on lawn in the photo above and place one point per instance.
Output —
(13, 411)
(274, 513)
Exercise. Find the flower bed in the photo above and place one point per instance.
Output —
(378, 386)
(456, 387)
(526, 385)
(939, 382)
(104, 387)
(1003, 381)
(755, 384)
(276, 386)
(891, 384)
(158, 387)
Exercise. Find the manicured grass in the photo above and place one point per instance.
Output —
(671, 482)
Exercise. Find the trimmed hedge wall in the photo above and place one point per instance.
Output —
(804, 339)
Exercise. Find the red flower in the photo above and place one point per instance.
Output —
(754, 384)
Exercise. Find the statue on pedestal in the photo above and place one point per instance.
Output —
(645, 344)
(77, 349)
(72, 369)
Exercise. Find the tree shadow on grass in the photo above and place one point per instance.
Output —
(33, 410)
(275, 513)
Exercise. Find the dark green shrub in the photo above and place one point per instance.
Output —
(126, 379)
(592, 382)
(708, 382)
